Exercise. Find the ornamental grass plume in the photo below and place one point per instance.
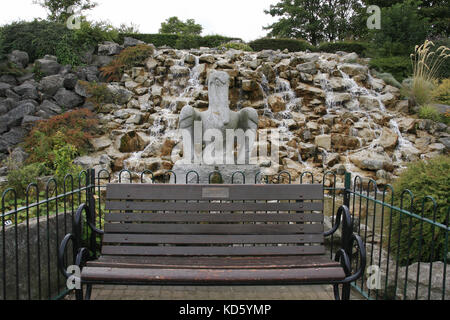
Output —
(426, 64)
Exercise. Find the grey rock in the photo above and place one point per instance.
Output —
(9, 104)
(70, 81)
(81, 90)
(15, 116)
(122, 95)
(51, 84)
(26, 77)
(27, 90)
(9, 93)
(131, 42)
(48, 66)
(309, 68)
(9, 79)
(101, 61)
(109, 48)
(89, 73)
(20, 58)
(3, 87)
(68, 99)
(19, 156)
(29, 121)
(11, 138)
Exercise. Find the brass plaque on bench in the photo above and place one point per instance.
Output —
(216, 193)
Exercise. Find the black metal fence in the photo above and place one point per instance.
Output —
(407, 247)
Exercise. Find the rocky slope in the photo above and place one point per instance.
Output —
(332, 113)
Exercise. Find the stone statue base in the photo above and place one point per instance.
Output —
(204, 171)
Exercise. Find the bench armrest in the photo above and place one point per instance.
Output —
(347, 226)
(91, 225)
(343, 257)
(81, 255)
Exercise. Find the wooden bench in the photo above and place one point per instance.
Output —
(216, 235)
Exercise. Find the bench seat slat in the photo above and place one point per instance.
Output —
(213, 217)
(196, 276)
(211, 239)
(211, 251)
(214, 228)
(211, 206)
(210, 262)
(216, 192)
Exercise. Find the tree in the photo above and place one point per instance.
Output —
(59, 9)
(436, 11)
(402, 27)
(173, 25)
(314, 20)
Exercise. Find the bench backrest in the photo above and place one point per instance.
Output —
(213, 220)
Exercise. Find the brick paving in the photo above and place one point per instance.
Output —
(324, 292)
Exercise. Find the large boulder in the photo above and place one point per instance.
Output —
(50, 108)
(109, 48)
(11, 138)
(122, 95)
(27, 90)
(48, 66)
(131, 42)
(371, 160)
(68, 99)
(15, 116)
(19, 58)
(3, 87)
(51, 84)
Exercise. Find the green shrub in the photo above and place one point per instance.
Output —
(74, 128)
(238, 46)
(8, 68)
(442, 92)
(130, 57)
(99, 93)
(400, 67)
(347, 46)
(293, 45)
(20, 178)
(214, 41)
(188, 42)
(431, 113)
(387, 78)
(179, 41)
(41, 37)
(422, 178)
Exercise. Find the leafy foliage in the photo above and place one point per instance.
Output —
(402, 28)
(59, 9)
(442, 92)
(99, 93)
(347, 46)
(237, 46)
(293, 45)
(314, 20)
(187, 42)
(41, 37)
(174, 25)
(128, 58)
(399, 66)
(423, 178)
(20, 178)
(71, 128)
(430, 112)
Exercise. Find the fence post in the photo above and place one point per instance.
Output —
(347, 189)
(91, 204)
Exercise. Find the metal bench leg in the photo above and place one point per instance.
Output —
(88, 292)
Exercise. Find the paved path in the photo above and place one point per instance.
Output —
(214, 293)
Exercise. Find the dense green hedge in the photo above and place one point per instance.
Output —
(422, 178)
(293, 45)
(347, 46)
(41, 37)
(399, 67)
(180, 41)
